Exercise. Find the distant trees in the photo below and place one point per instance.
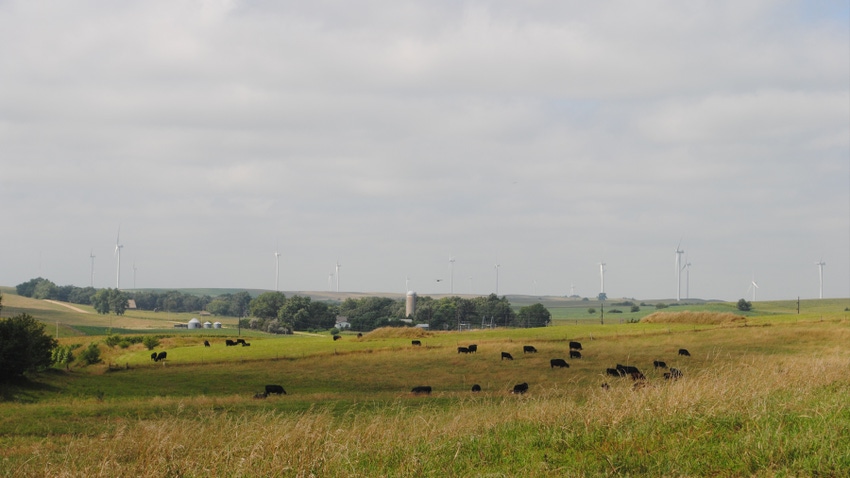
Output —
(25, 347)
(106, 300)
(535, 315)
(275, 313)
(744, 305)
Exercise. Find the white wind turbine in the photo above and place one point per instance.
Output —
(679, 268)
(118, 247)
(338, 265)
(602, 276)
(330, 282)
(451, 274)
(820, 265)
(91, 256)
(276, 269)
(753, 286)
(687, 279)
(497, 266)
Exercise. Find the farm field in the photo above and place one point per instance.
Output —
(763, 396)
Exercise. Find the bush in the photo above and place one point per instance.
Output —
(744, 305)
(24, 346)
(91, 354)
(591, 311)
(635, 308)
(150, 342)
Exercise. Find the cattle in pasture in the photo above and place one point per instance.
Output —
(336, 337)
(658, 364)
(473, 348)
(160, 356)
(506, 356)
(206, 343)
(529, 349)
(416, 343)
(675, 373)
(426, 389)
(614, 372)
(627, 369)
(246, 344)
(575, 354)
(637, 376)
(261, 395)
(240, 341)
(276, 389)
(153, 356)
(476, 388)
(359, 335)
(229, 343)
(463, 350)
(520, 388)
(575, 346)
(560, 363)
(684, 352)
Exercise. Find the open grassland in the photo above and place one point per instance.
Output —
(764, 396)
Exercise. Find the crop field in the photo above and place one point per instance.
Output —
(761, 395)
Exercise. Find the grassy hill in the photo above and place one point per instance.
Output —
(760, 396)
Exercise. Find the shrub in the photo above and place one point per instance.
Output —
(635, 308)
(150, 342)
(591, 311)
(744, 305)
(24, 346)
(91, 354)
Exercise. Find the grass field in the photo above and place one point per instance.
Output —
(763, 396)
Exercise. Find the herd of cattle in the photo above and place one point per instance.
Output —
(574, 353)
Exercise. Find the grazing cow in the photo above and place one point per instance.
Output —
(684, 352)
(270, 389)
(426, 389)
(239, 341)
(529, 349)
(560, 363)
(206, 343)
(261, 395)
(627, 369)
(359, 335)
(336, 337)
(415, 342)
(659, 364)
(229, 343)
(506, 356)
(637, 376)
(153, 356)
(463, 350)
(575, 354)
(246, 344)
(520, 388)
(473, 348)
(575, 346)
(613, 372)
(476, 388)
(675, 373)
(160, 356)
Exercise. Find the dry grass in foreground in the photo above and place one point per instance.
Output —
(689, 317)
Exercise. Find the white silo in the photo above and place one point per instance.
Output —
(410, 304)
(194, 323)
(216, 325)
(208, 325)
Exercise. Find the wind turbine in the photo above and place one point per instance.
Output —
(602, 276)
(753, 285)
(820, 265)
(330, 281)
(338, 265)
(679, 268)
(276, 269)
(118, 247)
(452, 274)
(497, 278)
(91, 256)
(687, 279)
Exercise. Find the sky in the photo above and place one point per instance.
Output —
(542, 137)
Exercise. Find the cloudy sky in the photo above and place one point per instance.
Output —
(545, 137)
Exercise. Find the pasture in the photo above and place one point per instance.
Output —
(765, 396)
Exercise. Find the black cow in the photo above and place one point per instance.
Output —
(506, 356)
(415, 342)
(637, 376)
(476, 388)
(160, 356)
(426, 389)
(575, 346)
(614, 372)
(659, 364)
(675, 373)
(520, 388)
(206, 343)
(270, 389)
(463, 350)
(627, 369)
(239, 341)
(246, 344)
(561, 363)
(153, 356)
(261, 395)
(337, 337)
(529, 349)
(229, 343)
(684, 352)
(359, 335)
(473, 348)
(575, 354)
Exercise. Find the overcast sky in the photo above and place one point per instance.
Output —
(545, 137)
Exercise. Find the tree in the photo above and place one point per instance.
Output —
(535, 315)
(744, 305)
(100, 301)
(150, 342)
(602, 296)
(117, 301)
(591, 310)
(267, 305)
(25, 347)
(91, 354)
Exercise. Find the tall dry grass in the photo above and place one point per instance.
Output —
(694, 317)
(751, 417)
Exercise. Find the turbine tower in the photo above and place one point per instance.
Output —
(602, 276)
(118, 247)
(497, 278)
(91, 256)
(679, 268)
(753, 286)
(687, 279)
(338, 265)
(451, 274)
(820, 265)
(276, 269)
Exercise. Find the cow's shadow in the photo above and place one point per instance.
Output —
(25, 389)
